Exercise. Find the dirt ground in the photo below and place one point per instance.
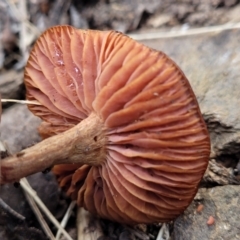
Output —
(21, 22)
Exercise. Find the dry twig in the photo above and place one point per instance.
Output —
(41, 205)
(66, 218)
(38, 214)
(9, 210)
(21, 101)
(183, 32)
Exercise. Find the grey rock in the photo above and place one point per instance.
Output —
(220, 202)
(11, 84)
(19, 128)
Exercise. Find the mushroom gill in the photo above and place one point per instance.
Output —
(153, 145)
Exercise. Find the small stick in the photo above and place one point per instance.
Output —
(21, 101)
(66, 218)
(39, 202)
(38, 214)
(184, 32)
(9, 210)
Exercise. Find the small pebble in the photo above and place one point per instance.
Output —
(210, 221)
(200, 208)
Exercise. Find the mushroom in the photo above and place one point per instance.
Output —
(121, 126)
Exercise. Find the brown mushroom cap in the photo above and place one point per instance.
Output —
(157, 146)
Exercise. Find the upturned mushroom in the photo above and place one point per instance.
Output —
(121, 124)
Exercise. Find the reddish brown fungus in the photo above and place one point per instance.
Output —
(122, 126)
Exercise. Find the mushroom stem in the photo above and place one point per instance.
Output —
(84, 143)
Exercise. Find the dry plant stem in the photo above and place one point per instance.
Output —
(20, 101)
(184, 32)
(9, 210)
(24, 184)
(66, 218)
(37, 212)
(84, 143)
